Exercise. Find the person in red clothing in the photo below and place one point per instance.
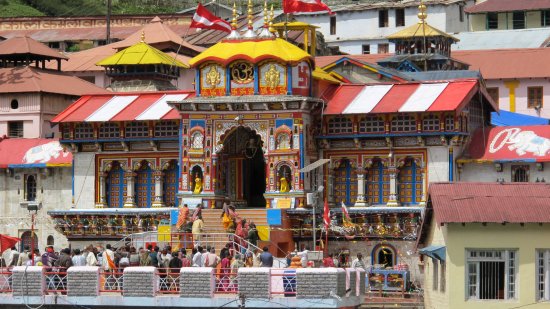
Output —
(328, 261)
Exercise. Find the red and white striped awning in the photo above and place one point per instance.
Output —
(123, 107)
(396, 98)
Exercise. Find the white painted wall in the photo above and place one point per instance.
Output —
(355, 28)
(84, 179)
(53, 190)
(521, 95)
(486, 172)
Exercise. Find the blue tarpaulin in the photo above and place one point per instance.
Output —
(505, 118)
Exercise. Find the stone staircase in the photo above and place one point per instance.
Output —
(213, 221)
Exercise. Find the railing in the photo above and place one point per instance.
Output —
(168, 280)
(6, 281)
(227, 281)
(283, 282)
(56, 280)
(111, 280)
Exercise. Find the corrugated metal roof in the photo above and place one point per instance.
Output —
(22, 45)
(508, 6)
(30, 79)
(500, 39)
(469, 202)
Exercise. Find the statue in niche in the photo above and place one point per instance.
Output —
(198, 184)
(284, 185)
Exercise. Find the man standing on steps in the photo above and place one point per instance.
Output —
(266, 258)
(198, 225)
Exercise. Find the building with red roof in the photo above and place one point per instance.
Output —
(484, 244)
(508, 14)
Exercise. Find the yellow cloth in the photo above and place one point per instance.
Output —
(226, 221)
(263, 232)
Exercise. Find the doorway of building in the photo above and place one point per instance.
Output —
(241, 168)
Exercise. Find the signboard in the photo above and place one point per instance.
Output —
(274, 217)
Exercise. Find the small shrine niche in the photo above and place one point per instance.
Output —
(212, 79)
(273, 79)
(242, 78)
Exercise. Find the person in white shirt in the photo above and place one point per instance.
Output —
(108, 257)
(78, 259)
(91, 260)
(359, 262)
(197, 258)
(304, 258)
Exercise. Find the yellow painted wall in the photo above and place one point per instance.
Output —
(458, 238)
(435, 298)
(478, 22)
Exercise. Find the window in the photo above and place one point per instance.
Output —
(449, 123)
(340, 125)
(345, 184)
(333, 25)
(109, 130)
(534, 97)
(83, 130)
(518, 20)
(378, 183)
(403, 123)
(543, 274)
(492, 20)
(371, 124)
(137, 129)
(50, 241)
(491, 274)
(435, 274)
(170, 184)
(493, 92)
(410, 183)
(430, 123)
(166, 129)
(65, 131)
(283, 141)
(14, 104)
(365, 49)
(545, 18)
(384, 254)
(116, 186)
(443, 278)
(520, 173)
(383, 48)
(15, 129)
(197, 140)
(383, 18)
(145, 185)
(30, 188)
(399, 17)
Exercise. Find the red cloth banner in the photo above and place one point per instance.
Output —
(297, 6)
(203, 19)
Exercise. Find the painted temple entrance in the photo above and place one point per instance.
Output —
(241, 175)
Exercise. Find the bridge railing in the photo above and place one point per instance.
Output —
(168, 280)
(6, 283)
(56, 280)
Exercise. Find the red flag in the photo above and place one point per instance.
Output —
(6, 242)
(205, 20)
(326, 215)
(345, 213)
(296, 6)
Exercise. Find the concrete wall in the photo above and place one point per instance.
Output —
(526, 239)
(521, 96)
(84, 179)
(487, 172)
(355, 28)
(434, 298)
(53, 191)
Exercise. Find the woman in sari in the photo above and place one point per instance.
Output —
(225, 273)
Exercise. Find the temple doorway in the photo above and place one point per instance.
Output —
(241, 168)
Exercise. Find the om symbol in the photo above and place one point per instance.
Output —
(242, 72)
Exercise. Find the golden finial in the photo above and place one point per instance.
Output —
(143, 36)
(234, 20)
(271, 17)
(265, 14)
(250, 16)
(422, 15)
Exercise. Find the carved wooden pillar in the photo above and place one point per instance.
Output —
(361, 201)
(158, 200)
(392, 200)
(130, 201)
(102, 203)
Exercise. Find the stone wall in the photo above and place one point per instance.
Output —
(255, 282)
(28, 281)
(320, 282)
(140, 281)
(83, 281)
(197, 282)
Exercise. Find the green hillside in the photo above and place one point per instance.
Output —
(23, 8)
